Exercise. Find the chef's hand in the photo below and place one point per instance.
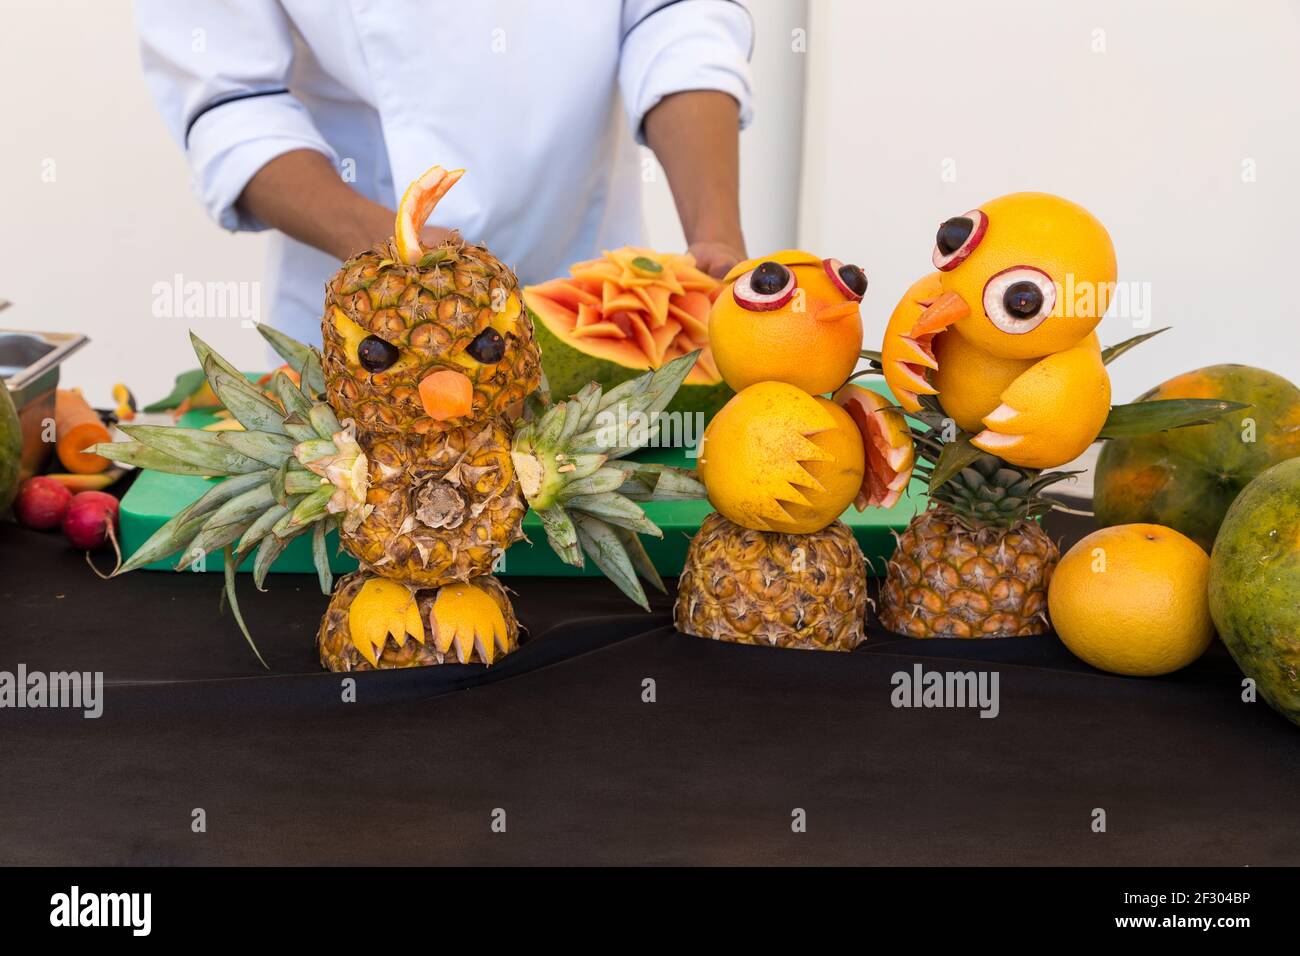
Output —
(431, 236)
(716, 258)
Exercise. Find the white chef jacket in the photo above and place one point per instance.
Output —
(521, 93)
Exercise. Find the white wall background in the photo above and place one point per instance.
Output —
(1144, 111)
(1151, 134)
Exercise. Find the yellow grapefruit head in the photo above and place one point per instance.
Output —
(812, 341)
(1042, 237)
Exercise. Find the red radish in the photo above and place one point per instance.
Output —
(41, 503)
(91, 521)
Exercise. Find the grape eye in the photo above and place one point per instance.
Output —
(768, 286)
(375, 354)
(957, 238)
(1022, 300)
(1019, 299)
(488, 347)
(849, 279)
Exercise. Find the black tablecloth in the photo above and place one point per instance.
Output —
(559, 738)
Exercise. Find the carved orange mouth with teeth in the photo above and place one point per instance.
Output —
(907, 354)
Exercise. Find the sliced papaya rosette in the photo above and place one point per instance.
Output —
(628, 312)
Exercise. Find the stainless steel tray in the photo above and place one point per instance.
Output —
(29, 360)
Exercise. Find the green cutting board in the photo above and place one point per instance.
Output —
(155, 497)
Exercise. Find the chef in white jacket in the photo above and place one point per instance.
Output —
(311, 116)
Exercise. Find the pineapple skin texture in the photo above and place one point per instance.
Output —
(804, 591)
(444, 506)
(431, 315)
(338, 653)
(443, 499)
(946, 580)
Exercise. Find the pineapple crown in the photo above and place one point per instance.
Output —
(568, 458)
(296, 469)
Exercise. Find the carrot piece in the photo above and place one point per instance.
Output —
(77, 426)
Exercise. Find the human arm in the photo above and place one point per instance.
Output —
(684, 75)
(301, 194)
(696, 136)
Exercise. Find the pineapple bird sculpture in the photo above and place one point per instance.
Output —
(774, 565)
(995, 357)
(420, 433)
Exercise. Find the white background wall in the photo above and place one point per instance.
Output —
(1151, 134)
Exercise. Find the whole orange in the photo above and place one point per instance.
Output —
(1133, 600)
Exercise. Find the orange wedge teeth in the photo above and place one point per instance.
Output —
(908, 351)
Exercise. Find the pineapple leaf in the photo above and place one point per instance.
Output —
(264, 446)
(248, 505)
(1112, 352)
(250, 407)
(1163, 414)
(231, 571)
(662, 384)
(572, 418)
(299, 356)
(278, 491)
(312, 508)
(323, 421)
(142, 456)
(206, 451)
(260, 528)
(648, 481)
(182, 527)
(320, 555)
(551, 426)
(294, 401)
(298, 428)
(211, 538)
(589, 399)
(173, 536)
(271, 547)
(562, 535)
(605, 548)
(602, 481)
(616, 510)
(222, 491)
(301, 483)
(205, 353)
(955, 457)
(640, 560)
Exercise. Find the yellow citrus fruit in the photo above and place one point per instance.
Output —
(812, 341)
(778, 459)
(970, 380)
(1132, 600)
(1057, 239)
(1052, 411)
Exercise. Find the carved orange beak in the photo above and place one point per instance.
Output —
(940, 313)
(446, 394)
(833, 313)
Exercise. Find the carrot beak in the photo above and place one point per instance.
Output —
(446, 394)
(833, 313)
(941, 313)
